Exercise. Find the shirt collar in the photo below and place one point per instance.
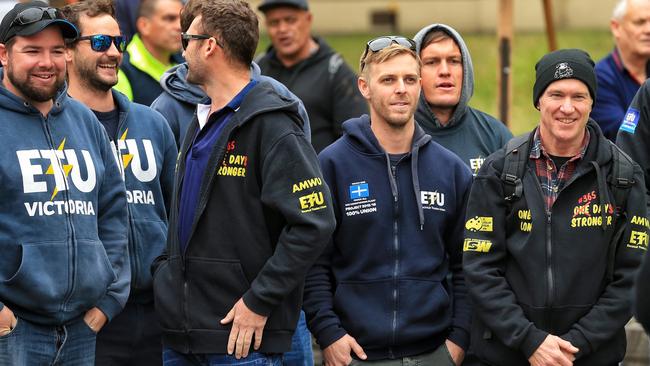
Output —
(538, 150)
(203, 110)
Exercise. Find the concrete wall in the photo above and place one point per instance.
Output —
(345, 16)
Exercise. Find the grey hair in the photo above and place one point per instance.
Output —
(620, 9)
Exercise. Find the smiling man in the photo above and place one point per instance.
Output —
(381, 292)
(310, 69)
(556, 229)
(64, 268)
(145, 150)
(447, 86)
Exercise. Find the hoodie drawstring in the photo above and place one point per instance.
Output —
(602, 191)
(416, 183)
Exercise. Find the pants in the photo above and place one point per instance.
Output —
(30, 344)
(173, 358)
(439, 357)
(132, 338)
(301, 353)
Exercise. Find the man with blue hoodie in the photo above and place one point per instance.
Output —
(146, 152)
(64, 266)
(447, 86)
(381, 291)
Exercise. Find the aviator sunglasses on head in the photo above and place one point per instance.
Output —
(33, 15)
(379, 43)
(102, 42)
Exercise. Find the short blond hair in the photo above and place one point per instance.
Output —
(384, 55)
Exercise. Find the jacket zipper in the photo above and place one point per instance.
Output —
(66, 197)
(549, 261)
(396, 268)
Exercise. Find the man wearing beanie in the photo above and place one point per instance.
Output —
(556, 226)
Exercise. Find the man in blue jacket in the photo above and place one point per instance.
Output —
(381, 291)
(250, 211)
(146, 152)
(64, 267)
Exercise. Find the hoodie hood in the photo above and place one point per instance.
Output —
(360, 133)
(423, 114)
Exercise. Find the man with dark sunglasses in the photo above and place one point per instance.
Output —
(381, 293)
(146, 153)
(64, 265)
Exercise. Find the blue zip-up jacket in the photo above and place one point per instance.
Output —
(616, 89)
(146, 152)
(383, 277)
(63, 233)
(177, 103)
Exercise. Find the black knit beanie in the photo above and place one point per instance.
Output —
(564, 64)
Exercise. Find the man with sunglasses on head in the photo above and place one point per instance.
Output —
(250, 212)
(389, 289)
(64, 268)
(146, 152)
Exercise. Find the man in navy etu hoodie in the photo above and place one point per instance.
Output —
(380, 291)
(64, 268)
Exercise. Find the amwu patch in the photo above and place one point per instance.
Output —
(630, 121)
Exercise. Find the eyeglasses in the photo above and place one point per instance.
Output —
(102, 42)
(379, 43)
(185, 39)
(33, 15)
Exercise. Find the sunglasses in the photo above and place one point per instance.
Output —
(102, 42)
(185, 39)
(33, 15)
(379, 43)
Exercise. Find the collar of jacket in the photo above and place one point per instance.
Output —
(143, 60)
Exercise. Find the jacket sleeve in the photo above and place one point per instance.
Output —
(613, 309)
(163, 105)
(308, 215)
(112, 230)
(460, 326)
(642, 295)
(347, 101)
(320, 284)
(491, 295)
(609, 107)
(634, 135)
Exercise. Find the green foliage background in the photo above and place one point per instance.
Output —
(527, 49)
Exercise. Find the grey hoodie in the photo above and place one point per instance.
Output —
(470, 133)
(178, 101)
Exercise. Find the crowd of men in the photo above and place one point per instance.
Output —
(202, 208)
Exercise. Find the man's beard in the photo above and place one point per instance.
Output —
(32, 93)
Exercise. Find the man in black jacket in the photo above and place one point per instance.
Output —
(310, 69)
(249, 214)
(552, 245)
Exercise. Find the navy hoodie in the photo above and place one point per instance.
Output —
(384, 277)
(179, 98)
(63, 213)
(146, 152)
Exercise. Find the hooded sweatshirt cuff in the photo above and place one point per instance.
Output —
(109, 306)
(460, 337)
(578, 340)
(532, 341)
(325, 337)
(256, 305)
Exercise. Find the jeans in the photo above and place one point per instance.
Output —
(173, 358)
(439, 357)
(30, 344)
(132, 338)
(301, 353)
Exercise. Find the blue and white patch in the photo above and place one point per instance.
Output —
(630, 121)
(359, 190)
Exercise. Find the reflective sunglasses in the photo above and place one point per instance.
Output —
(185, 39)
(379, 43)
(102, 42)
(33, 15)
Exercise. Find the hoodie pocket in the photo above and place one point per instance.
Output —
(149, 237)
(369, 324)
(423, 311)
(168, 293)
(216, 286)
(93, 275)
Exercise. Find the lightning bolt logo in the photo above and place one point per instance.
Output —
(126, 158)
(66, 170)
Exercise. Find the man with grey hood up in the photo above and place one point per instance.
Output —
(447, 86)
